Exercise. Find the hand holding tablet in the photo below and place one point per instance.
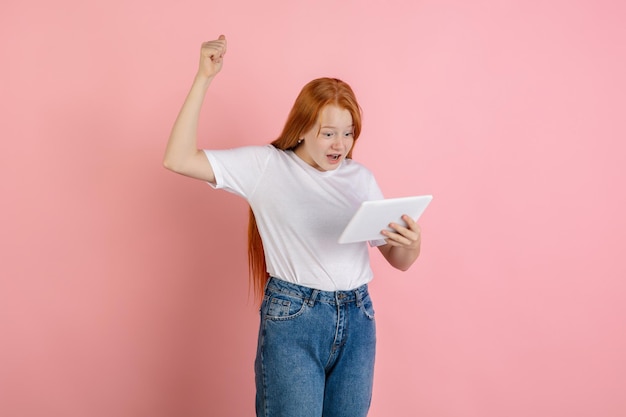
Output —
(374, 216)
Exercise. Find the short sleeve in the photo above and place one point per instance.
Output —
(239, 170)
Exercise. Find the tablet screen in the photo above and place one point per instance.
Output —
(374, 216)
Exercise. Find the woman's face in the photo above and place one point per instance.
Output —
(329, 141)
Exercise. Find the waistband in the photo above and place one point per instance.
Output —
(311, 295)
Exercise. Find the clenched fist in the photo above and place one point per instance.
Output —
(212, 57)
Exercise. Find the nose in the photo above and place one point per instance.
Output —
(338, 143)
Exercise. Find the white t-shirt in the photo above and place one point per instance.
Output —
(300, 213)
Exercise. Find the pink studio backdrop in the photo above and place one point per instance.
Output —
(123, 287)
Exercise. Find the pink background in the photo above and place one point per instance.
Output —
(123, 287)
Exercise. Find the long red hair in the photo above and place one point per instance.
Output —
(303, 116)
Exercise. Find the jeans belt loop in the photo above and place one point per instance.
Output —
(359, 297)
(312, 298)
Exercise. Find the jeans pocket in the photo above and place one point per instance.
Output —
(367, 307)
(282, 307)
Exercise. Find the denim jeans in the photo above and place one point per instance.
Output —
(315, 355)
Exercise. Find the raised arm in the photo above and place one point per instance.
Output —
(182, 154)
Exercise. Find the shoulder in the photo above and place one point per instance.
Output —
(253, 151)
(269, 151)
(356, 168)
(355, 164)
(360, 174)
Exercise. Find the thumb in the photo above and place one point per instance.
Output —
(222, 37)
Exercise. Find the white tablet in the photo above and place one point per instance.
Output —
(374, 216)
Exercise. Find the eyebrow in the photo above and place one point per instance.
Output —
(333, 127)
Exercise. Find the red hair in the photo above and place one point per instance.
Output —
(303, 116)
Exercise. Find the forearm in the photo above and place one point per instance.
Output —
(401, 257)
(182, 143)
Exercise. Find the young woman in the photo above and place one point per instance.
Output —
(317, 337)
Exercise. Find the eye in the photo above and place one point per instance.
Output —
(327, 134)
(349, 134)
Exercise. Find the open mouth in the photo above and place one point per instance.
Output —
(334, 156)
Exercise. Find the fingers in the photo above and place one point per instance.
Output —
(216, 49)
(408, 236)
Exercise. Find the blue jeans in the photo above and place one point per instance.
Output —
(316, 350)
